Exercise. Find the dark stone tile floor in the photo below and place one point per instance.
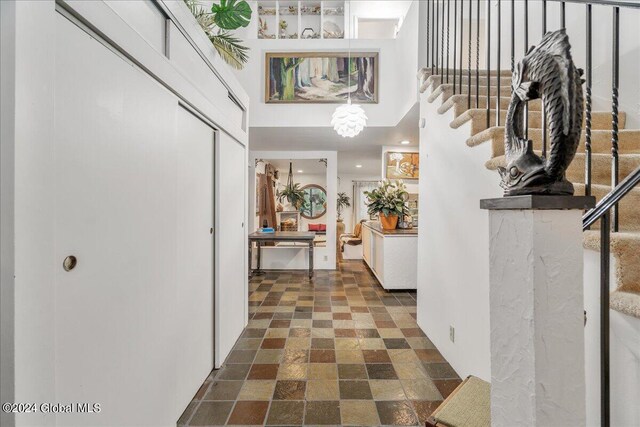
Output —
(336, 350)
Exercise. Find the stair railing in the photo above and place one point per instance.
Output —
(438, 53)
(602, 212)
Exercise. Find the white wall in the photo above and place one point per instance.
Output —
(453, 242)
(624, 344)
(7, 221)
(397, 83)
(325, 257)
(34, 261)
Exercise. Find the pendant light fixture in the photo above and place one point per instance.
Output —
(349, 119)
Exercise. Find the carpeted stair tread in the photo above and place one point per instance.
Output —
(628, 140)
(625, 302)
(625, 247)
(600, 120)
(600, 166)
(469, 405)
(446, 91)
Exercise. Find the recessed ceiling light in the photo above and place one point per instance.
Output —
(300, 171)
(358, 166)
(405, 142)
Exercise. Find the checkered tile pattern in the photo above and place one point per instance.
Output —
(336, 350)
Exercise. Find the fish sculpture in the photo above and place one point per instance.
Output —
(547, 71)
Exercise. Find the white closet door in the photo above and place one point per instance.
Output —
(231, 245)
(116, 210)
(194, 300)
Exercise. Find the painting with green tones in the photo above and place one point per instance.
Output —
(324, 77)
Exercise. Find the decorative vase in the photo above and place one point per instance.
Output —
(388, 222)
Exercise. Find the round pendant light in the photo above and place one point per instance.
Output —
(349, 119)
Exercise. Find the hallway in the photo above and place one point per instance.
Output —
(339, 350)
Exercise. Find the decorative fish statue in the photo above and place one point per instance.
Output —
(547, 71)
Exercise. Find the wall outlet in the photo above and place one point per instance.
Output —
(452, 333)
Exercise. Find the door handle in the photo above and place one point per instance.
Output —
(69, 263)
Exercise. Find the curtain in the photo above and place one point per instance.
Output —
(360, 200)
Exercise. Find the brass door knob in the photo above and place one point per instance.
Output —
(69, 263)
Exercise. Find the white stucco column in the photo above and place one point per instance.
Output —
(536, 310)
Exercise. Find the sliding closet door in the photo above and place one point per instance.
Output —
(231, 245)
(133, 194)
(194, 301)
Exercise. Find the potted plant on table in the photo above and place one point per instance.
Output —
(388, 201)
(343, 202)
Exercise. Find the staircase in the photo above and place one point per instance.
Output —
(625, 244)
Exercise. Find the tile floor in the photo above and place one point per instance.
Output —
(338, 350)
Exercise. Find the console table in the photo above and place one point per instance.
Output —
(280, 236)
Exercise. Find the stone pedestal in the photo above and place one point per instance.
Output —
(536, 310)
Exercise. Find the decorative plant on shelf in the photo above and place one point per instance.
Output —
(224, 17)
(388, 201)
(293, 194)
(343, 202)
(283, 28)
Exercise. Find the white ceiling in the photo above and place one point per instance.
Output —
(365, 149)
(307, 166)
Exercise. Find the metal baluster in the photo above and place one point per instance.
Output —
(513, 36)
(563, 15)
(478, 54)
(442, 47)
(455, 45)
(587, 138)
(448, 25)
(488, 79)
(469, 56)
(614, 110)
(605, 242)
(498, 63)
(437, 16)
(429, 63)
(461, 40)
(543, 113)
(526, 48)
(433, 39)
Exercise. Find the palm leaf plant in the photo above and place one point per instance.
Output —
(343, 202)
(217, 25)
(293, 194)
(388, 199)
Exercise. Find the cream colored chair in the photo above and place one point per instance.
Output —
(351, 243)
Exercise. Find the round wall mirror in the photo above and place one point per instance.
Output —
(315, 202)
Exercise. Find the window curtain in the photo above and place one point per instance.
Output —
(360, 200)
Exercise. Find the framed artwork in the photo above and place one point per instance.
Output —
(315, 202)
(402, 165)
(321, 77)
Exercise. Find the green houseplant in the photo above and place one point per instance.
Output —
(343, 202)
(388, 201)
(293, 194)
(224, 17)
